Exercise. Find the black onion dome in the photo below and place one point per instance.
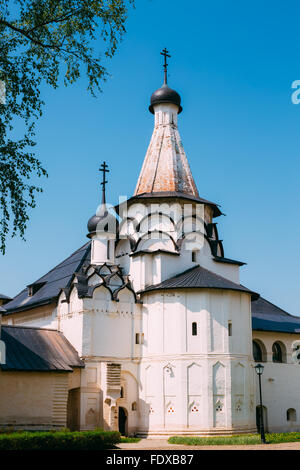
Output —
(165, 94)
(102, 223)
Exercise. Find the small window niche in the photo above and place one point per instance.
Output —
(291, 415)
(194, 329)
(137, 338)
(229, 328)
(108, 249)
(194, 256)
(122, 392)
(134, 406)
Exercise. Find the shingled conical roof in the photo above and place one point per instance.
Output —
(165, 168)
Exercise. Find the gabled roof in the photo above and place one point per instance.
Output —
(268, 317)
(4, 297)
(199, 278)
(51, 283)
(37, 349)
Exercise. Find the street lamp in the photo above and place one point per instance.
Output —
(259, 368)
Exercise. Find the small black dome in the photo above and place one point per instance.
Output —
(165, 95)
(102, 223)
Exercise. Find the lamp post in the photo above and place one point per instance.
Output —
(259, 368)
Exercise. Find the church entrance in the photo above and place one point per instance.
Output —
(122, 421)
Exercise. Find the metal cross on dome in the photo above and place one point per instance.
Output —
(104, 169)
(166, 54)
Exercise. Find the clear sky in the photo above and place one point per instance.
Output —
(233, 62)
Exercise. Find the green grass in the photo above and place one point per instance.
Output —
(129, 440)
(246, 439)
(60, 440)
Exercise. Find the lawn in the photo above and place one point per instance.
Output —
(59, 440)
(246, 439)
(129, 440)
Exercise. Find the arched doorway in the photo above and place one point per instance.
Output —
(265, 418)
(122, 421)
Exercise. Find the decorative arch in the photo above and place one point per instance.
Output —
(279, 352)
(152, 215)
(196, 221)
(259, 350)
(149, 235)
(122, 288)
(97, 288)
(124, 226)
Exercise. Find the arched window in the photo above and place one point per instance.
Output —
(279, 352)
(257, 352)
(291, 414)
(134, 406)
(194, 328)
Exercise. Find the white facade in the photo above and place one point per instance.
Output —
(170, 361)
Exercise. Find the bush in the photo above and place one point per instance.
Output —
(78, 440)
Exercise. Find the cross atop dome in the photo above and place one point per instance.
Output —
(103, 169)
(165, 53)
(165, 94)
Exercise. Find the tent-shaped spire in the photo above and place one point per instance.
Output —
(165, 168)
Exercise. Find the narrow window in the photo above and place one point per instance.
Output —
(108, 247)
(277, 352)
(122, 392)
(137, 338)
(134, 406)
(257, 352)
(142, 338)
(229, 328)
(194, 329)
(194, 256)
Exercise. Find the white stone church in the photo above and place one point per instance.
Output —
(146, 328)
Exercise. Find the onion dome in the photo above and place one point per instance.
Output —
(102, 221)
(165, 94)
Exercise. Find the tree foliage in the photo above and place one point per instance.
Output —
(44, 41)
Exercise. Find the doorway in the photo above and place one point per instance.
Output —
(122, 421)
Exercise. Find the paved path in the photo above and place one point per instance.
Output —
(162, 444)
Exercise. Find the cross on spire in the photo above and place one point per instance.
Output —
(165, 53)
(103, 169)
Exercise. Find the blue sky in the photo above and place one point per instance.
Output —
(233, 64)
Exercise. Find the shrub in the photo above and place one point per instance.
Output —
(78, 440)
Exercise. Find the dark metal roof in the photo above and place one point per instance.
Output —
(221, 259)
(37, 349)
(51, 283)
(165, 94)
(172, 194)
(199, 278)
(4, 297)
(268, 317)
(156, 252)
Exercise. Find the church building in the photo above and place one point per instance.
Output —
(146, 328)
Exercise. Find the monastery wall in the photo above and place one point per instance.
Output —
(280, 383)
(33, 400)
